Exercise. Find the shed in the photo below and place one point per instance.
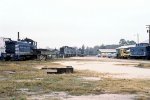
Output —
(107, 50)
(2, 44)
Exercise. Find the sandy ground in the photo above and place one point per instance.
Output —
(103, 97)
(65, 96)
(115, 67)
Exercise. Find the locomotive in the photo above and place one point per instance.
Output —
(67, 51)
(141, 51)
(24, 49)
(124, 51)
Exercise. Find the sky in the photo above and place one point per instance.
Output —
(55, 23)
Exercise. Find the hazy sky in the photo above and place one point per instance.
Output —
(55, 23)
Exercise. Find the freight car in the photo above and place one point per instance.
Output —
(67, 51)
(141, 51)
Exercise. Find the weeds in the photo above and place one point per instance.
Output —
(143, 65)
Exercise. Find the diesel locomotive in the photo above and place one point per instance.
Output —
(24, 49)
(141, 51)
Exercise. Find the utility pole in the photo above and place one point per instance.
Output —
(148, 31)
(137, 38)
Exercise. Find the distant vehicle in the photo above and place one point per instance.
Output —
(99, 55)
(104, 55)
(112, 55)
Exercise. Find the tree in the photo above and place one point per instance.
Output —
(131, 42)
(102, 46)
(128, 42)
(122, 42)
(83, 50)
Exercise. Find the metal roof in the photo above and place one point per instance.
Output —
(126, 46)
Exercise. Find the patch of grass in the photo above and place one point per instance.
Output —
(21, 97)
(7, 88)
(68, 83)
(126, 64)
(143, 65)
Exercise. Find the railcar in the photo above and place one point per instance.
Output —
(141, 51)
(19, 50)
(124, 51)
(66, 51)
(24, 49)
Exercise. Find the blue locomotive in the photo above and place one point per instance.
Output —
(67, 51)
(141, 51)
(20, 49)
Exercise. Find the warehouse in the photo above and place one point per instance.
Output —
(2, 45)
(107, 52)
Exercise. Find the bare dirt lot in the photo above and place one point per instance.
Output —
(93, 79)
(117, 68)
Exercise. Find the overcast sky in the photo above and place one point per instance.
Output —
(54, 23)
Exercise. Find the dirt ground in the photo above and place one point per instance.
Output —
(64, 96)
(93, 79)
(117, 68)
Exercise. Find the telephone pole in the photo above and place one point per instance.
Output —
(148, 31)
(137, 38)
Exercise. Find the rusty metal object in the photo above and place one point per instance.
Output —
(67, 69)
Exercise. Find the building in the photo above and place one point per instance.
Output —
(2, 44)
(107, 52)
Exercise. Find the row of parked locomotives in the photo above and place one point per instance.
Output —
(67, 51)
(138, 51)
(24, 49)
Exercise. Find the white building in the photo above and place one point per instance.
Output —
(2, 45)
(107, 52)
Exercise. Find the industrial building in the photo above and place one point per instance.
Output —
(107, 52)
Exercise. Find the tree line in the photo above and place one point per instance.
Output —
(94, 50)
